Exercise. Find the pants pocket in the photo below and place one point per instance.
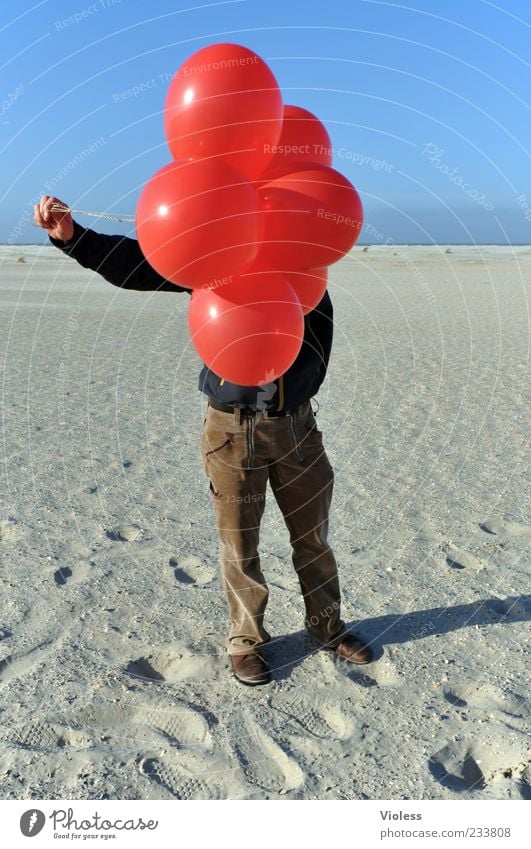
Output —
(214, 448)
(309, 422)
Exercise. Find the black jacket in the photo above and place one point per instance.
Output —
(120, 261)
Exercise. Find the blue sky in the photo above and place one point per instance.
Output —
(427, 104)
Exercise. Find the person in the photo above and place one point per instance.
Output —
(251, 436)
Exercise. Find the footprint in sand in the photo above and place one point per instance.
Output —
(514, 608)
(117, 725)
(507, 530)
(487, 698)
(178, 781)
(188, 771)
(458, 559)
(454, 767)
(61, 576)
(174, 665)
(180, 725)
(323, 720)
(308, 724)
(40, 736)
(33, 736)
(190, 570)
(66, 575)
(263, 762)
(16, 665)
(105, 715)
(471, 765)
(126, 533)
(381, 673)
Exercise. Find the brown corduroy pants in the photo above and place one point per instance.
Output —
(241, 453)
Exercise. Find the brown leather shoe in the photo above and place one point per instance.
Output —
(354, 649)
(250, 669)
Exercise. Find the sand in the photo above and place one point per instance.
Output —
(113, 678)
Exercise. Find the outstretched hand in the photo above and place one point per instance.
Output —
(58, 225)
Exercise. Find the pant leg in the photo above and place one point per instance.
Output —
(238, 496)
(302, 480)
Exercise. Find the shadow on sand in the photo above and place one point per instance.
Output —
(394, 628)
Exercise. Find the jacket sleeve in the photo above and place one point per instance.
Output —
(118, 259)
(320, 324)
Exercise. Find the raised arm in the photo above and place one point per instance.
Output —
(118, 259)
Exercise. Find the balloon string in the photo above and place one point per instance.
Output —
(57, 208)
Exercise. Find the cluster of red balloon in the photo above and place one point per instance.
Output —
(249, 214)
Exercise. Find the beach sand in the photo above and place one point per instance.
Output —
(114, 681)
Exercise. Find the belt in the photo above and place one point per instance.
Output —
(247, 411)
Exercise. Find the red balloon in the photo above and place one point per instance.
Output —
(309, 286)
(197, 222)
(311, 217)
(224, 101)
(303, 139)
(248, 331)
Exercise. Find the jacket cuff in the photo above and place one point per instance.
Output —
(69, 246)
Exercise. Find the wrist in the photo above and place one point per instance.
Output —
(67, 244)
(59, 243)
(66, 236)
